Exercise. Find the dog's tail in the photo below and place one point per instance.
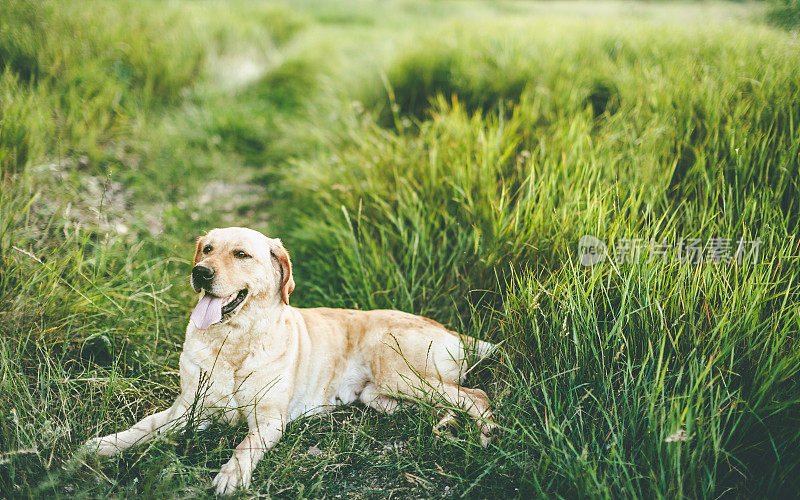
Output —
(476, 351)
(484, 349)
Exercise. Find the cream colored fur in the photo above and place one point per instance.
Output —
(268, 363)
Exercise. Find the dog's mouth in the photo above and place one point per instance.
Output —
(232, 302)
(211, 309)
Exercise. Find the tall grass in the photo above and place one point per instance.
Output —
(454, 181)
(785, 14)
(473, 190)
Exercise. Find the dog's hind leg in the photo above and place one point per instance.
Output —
(375, 399)
(448, 420)
(479, 408)
(141, 432)
(474, 401)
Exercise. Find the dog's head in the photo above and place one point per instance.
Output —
(234, 266)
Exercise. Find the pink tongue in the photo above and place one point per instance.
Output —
(207, 311)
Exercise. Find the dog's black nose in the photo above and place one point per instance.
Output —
(202, 275)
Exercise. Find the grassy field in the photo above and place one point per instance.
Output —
(443, 158)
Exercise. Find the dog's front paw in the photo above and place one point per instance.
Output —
(230, 478)
(101, 446)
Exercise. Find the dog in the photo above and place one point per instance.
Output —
(256, 359)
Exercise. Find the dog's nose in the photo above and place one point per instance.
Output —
(202, 275)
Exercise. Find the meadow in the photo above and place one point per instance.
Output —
(442, 158)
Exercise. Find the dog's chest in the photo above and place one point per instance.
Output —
(231, 374)
(206, 375)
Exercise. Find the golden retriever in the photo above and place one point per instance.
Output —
(266, 363)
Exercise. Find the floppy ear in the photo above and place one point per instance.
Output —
(287, 280)
(197, 251)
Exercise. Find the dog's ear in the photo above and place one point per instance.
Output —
(287, 280)
(198, 250)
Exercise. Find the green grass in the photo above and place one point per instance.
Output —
(785, 14)
(440, 158)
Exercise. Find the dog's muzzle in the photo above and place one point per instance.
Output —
(202, 276)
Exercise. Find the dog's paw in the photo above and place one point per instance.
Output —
(488, 432)
(230, 479)
(100, 446)
(447, 422)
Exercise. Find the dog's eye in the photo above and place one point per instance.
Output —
(207, 249)
(240, 254)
